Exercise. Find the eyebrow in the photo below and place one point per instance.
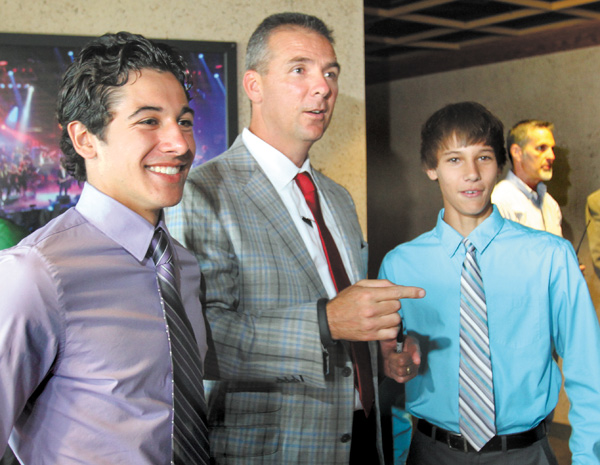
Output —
(455, 151)
(333, 64)
(185, 109)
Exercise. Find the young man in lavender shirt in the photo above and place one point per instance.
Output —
(86, 374)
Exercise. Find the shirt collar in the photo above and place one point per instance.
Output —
(535, 196)
(278, 168)
(115, 220)
(480, 237)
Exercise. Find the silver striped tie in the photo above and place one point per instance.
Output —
(476, 388)
(190, 433)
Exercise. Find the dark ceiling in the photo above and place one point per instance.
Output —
(398, 31)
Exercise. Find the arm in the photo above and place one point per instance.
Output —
(577, 340)
(28, 332)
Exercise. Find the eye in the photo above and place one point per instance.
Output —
(331, 75)
(298, 70)
(186, 123)
(149, 121)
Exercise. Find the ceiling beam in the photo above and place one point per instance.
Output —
(418, 63)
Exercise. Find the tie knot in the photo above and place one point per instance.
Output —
(159, 248)
(468, 245)
(309, 191)
(305, 183)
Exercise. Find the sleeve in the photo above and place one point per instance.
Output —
(592, 217)
(28, 332)
(577, 341)
(258, 332)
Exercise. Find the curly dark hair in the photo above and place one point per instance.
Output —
(87, 90)
(470, 123)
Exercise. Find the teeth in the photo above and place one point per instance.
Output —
(165, 169)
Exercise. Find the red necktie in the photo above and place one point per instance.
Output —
(360, 350)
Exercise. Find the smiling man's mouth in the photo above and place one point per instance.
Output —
(166, 169)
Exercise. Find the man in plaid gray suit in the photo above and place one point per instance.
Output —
(284, 390)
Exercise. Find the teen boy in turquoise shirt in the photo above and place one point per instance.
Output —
(536, 300)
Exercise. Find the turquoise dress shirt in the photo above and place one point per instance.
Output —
(537, 299)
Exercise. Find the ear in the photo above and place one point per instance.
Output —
(516, 152)
(253, 85)
(432, 173)
(84, 142)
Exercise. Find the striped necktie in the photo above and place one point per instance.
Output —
(360, 350)
(190, 433)
(476, 388)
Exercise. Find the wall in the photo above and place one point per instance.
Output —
(342, 152)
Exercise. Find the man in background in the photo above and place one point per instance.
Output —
(280, 247)
(523, 196)
(93, 330)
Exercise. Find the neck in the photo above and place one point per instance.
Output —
(532, 183)
(465, 224)
(296, 151)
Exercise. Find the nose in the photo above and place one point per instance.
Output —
(472, 171)
(321, 86)
(177, 139)
(550, 154)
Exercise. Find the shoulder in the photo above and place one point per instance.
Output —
(551, 200)
(593, 203)
(57, 233)
(411, 251)
(236, 158)
(327, 184)
(504, 190)
(523, 238)
(594, 199)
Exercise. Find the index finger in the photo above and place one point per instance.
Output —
(397, 292)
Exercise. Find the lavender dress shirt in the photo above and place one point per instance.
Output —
(85, 366)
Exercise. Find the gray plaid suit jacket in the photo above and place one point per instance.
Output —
(278, 397)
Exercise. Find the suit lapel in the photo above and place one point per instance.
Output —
(262, 196)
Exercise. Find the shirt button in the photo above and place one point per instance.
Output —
(345, 437)
(346, 371)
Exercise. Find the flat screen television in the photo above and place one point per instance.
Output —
(33, 187)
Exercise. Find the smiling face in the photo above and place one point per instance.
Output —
(293, 100)
(533, 162)
(147, 148)
(466, 176)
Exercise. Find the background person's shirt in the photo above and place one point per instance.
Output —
(537, 209)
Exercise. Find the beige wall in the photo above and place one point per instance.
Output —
(342, 152)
